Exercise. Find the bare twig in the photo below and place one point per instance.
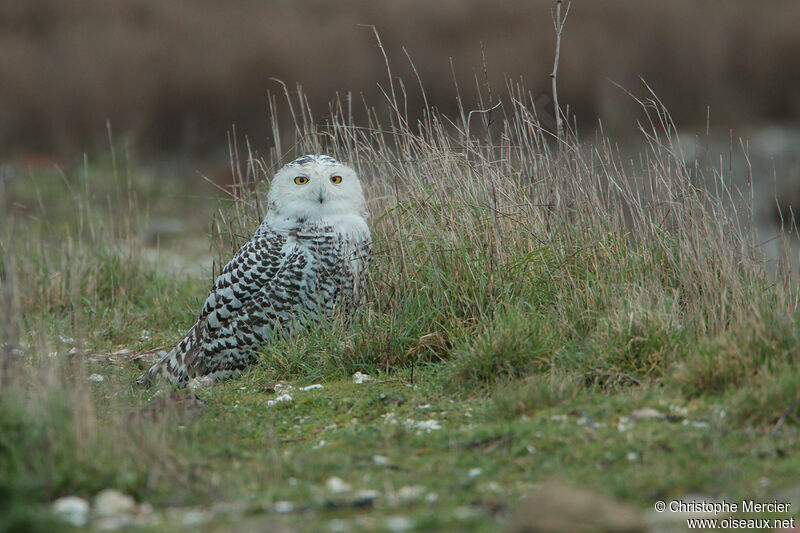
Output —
(558, 25)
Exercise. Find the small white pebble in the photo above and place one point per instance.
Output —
(66, 340)
(463, 513)
(199, 383)
(337, 525)
(97, 378)
(380, 460)
(431, 497)
(423, 425)
(319, 445)
(72, 510)
(633, 456)
(558, 418)
(144, 509)
(111, 502)
(493, 486)
(531, 449)
(412, 492)
(283, 507)
(359, 378)
(280, 399)
(398, 523)
(475, 472)
(195, 517)
(679, 410)
(368, 494)
(72, 351)
(337, 486)
(311, 387)
(646, 412)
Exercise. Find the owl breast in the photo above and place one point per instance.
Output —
(324, 273)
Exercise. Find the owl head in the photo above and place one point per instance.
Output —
(316, 187)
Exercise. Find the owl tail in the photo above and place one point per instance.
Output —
(180, 365)
(173, 367)
(165, 370)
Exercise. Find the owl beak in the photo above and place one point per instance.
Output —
(321, 194)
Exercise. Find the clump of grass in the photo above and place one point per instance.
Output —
(770, 396)
(638, 335)
(530, 262)
(515, 344)
(534, 393)
(738, 359)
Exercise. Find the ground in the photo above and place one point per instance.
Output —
(600, 352)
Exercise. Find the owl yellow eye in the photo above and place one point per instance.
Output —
(301, 180)
(336, 179)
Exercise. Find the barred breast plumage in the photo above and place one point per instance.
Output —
(308, 258)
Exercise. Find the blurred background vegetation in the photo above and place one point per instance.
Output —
(174, 76)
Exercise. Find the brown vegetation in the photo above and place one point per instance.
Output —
(177, 74)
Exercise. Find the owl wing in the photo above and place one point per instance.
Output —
(252, 268)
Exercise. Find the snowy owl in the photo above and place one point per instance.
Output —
(308, 257)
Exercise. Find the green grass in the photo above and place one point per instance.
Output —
(521, 310)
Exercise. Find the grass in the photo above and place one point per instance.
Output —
(524, 305)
